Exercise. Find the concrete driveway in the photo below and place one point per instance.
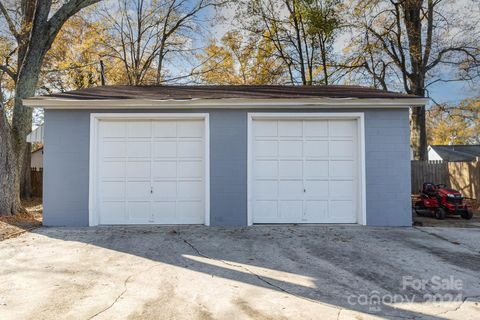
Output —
(263, 272)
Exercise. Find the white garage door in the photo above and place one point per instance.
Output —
(151, 171)
(304, 171)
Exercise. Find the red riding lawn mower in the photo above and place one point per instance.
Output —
(440, 201)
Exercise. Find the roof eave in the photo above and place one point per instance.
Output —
(57, 103)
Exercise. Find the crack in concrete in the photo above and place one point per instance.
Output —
(459, 305)
(116, 299)
(269, 283)
(338, 314)
(262, 279)
(125, 283)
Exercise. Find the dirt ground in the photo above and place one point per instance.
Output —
(450, 221)
(12, 226)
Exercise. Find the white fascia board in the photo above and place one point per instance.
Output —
(292, 103)
(433, 155)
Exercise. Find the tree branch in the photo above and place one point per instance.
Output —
(9, 71)
(428, 42)
(464, 50)
(66, 11)
(11, 24)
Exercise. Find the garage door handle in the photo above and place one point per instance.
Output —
(304, 190)
(151, 189)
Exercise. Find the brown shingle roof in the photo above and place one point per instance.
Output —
(224, 92)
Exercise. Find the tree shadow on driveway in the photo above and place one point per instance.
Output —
(343, 267)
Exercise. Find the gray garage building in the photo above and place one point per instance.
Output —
(226, 155)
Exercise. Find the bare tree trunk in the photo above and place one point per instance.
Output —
(298, 38)
(323, 55)
(418, 135)
(26, 183)
(160, 65)
(102, 73)
(9, 200)
(22, 123)
(412, 17)
(38, 30)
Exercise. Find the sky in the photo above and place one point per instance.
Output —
(451, 92)
(441, 92)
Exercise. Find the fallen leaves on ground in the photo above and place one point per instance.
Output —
(11, 226)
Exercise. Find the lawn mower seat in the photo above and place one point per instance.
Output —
(429, 188)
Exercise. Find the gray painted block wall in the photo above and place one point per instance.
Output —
(66, 157)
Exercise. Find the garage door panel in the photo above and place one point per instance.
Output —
(112, 190)
(316, 168)
(317, 189)
(316, 211)
(140, 129)
(288, 148)
(342, 128)
(291, 210)
(171, 212)
(265, 128)
(164, 149)
(164, 189)
(341, 149)
(190, 129)
(266, 189)
(266, 169)
(190, 169)
(290, 189)
(316, 148)
(342, 169)
(164, 169)
(291, 169)
(138, 169)
(164, 129)
(115, 149)
(316, 128)
(290, 128)
(187, 212)
(190, 190)
(138, 190)
(138, 212)
(305, 171)
(266, 148)
(265, 211)
(342, 189)
(113, 169)
(341, 211)
(113, 129)
(164, 211)
(112, 212)
(188, 149)
(138, 149)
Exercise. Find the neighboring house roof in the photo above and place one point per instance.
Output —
(180, 93)
(36, 135)
(457, 152)
(38, 149)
